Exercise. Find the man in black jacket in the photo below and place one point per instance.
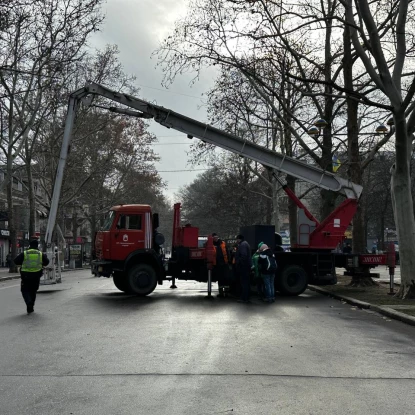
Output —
(32, 262)
(243, 263)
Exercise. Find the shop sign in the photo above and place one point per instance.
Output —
(75, 254)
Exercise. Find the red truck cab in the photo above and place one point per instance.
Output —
(127, 228)
(128, 248)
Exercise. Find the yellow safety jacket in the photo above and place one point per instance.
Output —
(32, 261)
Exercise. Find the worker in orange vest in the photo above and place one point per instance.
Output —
(220, 270)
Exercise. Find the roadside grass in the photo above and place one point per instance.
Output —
(376, 294)
(407, 311)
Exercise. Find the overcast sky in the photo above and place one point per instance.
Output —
(137, 27)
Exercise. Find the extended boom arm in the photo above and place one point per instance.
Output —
(193, 128)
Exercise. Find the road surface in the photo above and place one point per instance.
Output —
(89, 349)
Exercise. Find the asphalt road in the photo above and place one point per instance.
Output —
(89, 349)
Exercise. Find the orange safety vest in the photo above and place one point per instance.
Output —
(225, 254)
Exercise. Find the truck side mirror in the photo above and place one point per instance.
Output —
(155, 220)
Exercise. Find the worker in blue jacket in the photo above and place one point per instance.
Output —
(257, 274)
(267, 266)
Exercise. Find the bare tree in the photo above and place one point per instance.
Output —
(378, 210)
(106, 149)
(37, 45)
(375, 55)
(273, 44)
(224, 198)
(211, 35)
(235, 106)
(253, 36)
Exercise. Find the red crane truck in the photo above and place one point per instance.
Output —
(128, 245)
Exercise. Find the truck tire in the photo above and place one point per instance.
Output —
(293, 280)
(142, 279)
(121, 282)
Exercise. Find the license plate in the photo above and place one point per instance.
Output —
(100, 269)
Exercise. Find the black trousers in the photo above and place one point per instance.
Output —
(245, 281)
(29, 287)
(220, 274)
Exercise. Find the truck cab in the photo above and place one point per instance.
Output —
(126, 230)
(128, 247)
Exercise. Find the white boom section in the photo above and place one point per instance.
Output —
(193, 128)
(219, 138)
(52, 273)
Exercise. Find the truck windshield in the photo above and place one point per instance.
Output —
(108, 221)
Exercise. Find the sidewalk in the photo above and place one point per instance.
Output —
(383, 272)
(375, 298)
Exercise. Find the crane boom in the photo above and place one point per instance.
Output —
(230, 142)
(193, 128)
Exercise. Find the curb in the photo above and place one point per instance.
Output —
(390, 312)
(386, 311)
(349, 300)
(17, 276)
(11, 277)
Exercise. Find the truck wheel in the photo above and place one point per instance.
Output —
(121, 282)
(293, 280)
(142, 279)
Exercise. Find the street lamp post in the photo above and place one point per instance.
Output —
(315, 130)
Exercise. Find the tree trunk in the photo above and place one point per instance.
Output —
(292, 213)
(382, 233)
(362, 278)
(32, 201)
(93, 231)
(74, 226)
(328, 198)
(11, 217)
(288, 144)
(328, 203)
(268, 215)
(268, 218)
(275, 205)
(355, 174)
(402, 204)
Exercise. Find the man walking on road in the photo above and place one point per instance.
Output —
(32, 261)
(243, 263)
